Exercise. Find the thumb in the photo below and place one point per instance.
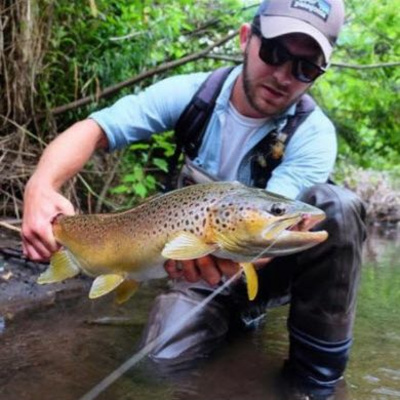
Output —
(65, 207)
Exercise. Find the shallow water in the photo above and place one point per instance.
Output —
(54, 353)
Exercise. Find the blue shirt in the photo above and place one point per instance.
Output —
(309, 156)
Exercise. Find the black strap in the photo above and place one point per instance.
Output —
(191, 125)
(268, 153)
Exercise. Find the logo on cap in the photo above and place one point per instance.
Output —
(320, 8)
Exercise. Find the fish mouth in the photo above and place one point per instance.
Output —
(284, 241)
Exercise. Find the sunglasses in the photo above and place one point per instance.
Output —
(273, 52)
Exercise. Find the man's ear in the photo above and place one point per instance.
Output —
(244, 36)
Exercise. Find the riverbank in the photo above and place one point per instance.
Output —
(19, 292)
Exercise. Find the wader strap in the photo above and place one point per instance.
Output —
(189, 130)
(268, 153)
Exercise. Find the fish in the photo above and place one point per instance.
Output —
(224, 219)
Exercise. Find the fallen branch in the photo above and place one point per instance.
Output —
(10, 227)
(147, 74)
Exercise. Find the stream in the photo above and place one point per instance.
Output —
(55, 351)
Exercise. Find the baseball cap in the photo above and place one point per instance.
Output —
(320, 19)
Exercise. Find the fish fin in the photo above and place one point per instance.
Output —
(61, 267)
(251, 280)
(126, 290)
(187, 246)
(104, 284)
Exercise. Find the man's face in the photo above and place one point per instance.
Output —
(271, 89)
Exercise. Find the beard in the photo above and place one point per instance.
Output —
(250, 92)
(248, 87)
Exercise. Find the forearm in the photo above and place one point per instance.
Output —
(63, 158)
(68, 153)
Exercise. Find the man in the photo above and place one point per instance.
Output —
(286, 48)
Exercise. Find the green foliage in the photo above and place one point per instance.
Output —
(92, 48)
(99, 43)
(364, 102)
(144, 168)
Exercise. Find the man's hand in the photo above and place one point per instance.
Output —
(41, 206)
(62, 159)
(209, 268)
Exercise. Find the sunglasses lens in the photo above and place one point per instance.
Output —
(274, 53)
(271, 52)
(306, 71)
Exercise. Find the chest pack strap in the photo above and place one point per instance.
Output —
(189, 130)
(268, 153)
(191, 125)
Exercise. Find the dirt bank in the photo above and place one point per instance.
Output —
(19, 292)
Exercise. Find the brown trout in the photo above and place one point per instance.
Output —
(225, 219)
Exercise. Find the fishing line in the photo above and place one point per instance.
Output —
(131, 362)
(258, 256)
(136, 358)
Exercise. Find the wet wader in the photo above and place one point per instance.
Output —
(320, 284)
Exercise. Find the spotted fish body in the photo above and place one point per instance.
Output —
(227, 220)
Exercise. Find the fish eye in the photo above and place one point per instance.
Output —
(278, 209)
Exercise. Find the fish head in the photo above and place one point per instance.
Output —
(257, 222)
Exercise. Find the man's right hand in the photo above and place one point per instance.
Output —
(41, 206)
(62, 159)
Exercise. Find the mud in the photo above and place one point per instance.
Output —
(19, 292)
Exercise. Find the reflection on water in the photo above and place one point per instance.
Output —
(374, 371)
(55, 354)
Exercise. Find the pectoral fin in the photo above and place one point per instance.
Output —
(187, 246)
(126, 290)
(104, 284)
(61, 267)
(251, 280)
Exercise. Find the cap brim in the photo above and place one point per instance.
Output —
(273, 26)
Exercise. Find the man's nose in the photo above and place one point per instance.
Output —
(283, 73)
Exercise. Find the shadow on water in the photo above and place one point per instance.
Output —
(54, 353)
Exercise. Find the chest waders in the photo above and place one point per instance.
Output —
(320, 283)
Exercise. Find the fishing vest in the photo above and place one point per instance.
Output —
(192, 124)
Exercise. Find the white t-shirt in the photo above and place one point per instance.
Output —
(236, 131)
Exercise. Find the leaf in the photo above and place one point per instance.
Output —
(161, 164)
(140, 190)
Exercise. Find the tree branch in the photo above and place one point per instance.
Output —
(367, 66)
(238, 60)
(160, 68)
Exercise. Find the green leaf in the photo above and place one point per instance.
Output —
(161, 164)
(140, 190)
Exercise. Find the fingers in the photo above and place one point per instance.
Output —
(208, 268)
(40, 209)
(173, 269)
(228, 268)
(187, 269)
(262, 262)
(38, 245)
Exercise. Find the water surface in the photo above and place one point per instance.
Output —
(54, 353)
